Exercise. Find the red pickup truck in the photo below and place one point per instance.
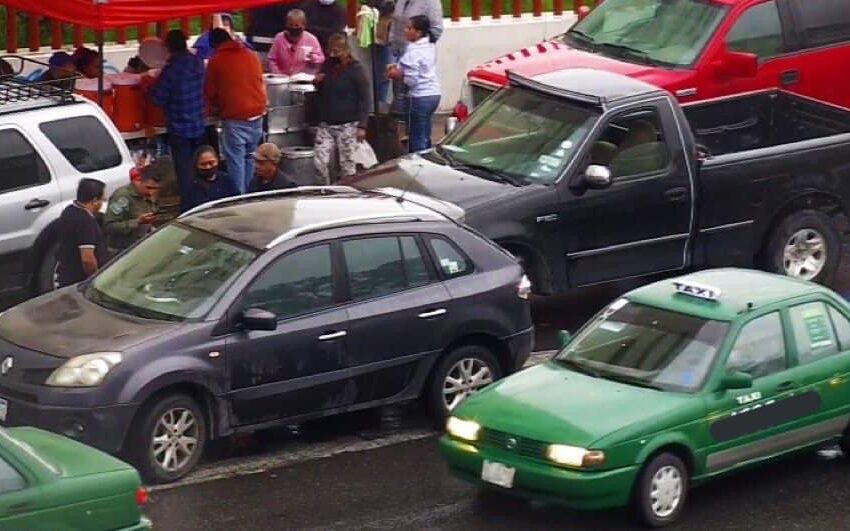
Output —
(699, 49)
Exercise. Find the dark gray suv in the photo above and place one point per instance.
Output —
(261, 310)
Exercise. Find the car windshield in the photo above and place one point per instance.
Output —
(667, 32)
(646, 346)
(177, 273)
(519, 136)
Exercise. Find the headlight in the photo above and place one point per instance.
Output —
(463, 429)
(87, 370)
(574, 456)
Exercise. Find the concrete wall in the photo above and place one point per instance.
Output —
(464, 44)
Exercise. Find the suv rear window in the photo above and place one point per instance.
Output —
(20, 165)
(450, 259)
(84, 143)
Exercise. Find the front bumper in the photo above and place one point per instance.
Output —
(101, 427)
(540, 481)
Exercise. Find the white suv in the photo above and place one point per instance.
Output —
(47, 144)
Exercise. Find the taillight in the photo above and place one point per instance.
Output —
(460, 111)
(523, 289)
(141, 496)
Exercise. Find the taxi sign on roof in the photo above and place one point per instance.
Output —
(700, 291)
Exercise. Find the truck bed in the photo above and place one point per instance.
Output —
(761, 120)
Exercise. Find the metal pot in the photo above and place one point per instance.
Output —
(277, 90)
(297, 164)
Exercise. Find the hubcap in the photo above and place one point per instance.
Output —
(464, 378)
(666, 491)
(175, 439)
(805, 254)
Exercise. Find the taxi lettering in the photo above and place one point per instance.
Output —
(751, 397)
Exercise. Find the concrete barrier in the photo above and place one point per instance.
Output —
(464, 44)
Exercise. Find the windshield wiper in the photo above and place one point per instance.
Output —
(631, 381)
(486, 172)
(579, 367)
(123, 307)
(628, 50)
(581, 36)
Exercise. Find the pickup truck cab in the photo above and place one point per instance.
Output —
(49, 140)
(698, 49)
(591, 176)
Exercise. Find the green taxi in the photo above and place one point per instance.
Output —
(673, 384)
(48, 481)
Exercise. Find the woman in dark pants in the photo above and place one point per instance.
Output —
(418, 68)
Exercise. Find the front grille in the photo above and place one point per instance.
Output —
(513, 443)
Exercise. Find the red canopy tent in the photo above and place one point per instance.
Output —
(108, 14)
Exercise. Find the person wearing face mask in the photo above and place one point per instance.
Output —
(343, 106)
(325, 17)
(82, 248)
(209, 183)
(295, 50)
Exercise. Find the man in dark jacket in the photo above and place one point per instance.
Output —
(267, 174)
(324, 18)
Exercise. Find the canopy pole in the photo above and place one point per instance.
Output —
(102, 62)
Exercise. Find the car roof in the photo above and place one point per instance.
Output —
(263, 220)
(740, 290)
(596, 87)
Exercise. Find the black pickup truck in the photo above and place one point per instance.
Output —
(590, 176)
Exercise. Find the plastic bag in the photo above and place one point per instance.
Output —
(364, 155)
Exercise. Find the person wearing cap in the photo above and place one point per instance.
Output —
(267, 175)
(61, 70)
(204, 49)
(132, 209)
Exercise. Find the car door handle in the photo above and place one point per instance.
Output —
(676, 195)
(785, 386)
(789, 77)
(333, 335)
(36, 203)
(432, 313)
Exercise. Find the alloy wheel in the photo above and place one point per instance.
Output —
(175, 439)
(464, 378)
(804, 255)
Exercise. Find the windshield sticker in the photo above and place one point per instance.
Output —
(186, 249)
(817, 328)
(616, 305)
(548, 160)
(567, 144)
(487, 160)
(449, 266)
(613, 326)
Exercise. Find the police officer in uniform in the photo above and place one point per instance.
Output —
(132, 210)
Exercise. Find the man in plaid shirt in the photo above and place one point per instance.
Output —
(180, 92)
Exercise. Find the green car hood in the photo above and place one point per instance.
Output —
(550, 403)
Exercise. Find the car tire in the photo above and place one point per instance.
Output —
(473, 366)
(169, 419)
(844, 443)
(661, 490)
(46, 276)
(806, 242)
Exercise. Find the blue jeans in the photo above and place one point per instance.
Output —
(182, 154)
(241, 138)
(419, 122)
(381, 58)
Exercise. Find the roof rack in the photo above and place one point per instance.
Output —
(426, 215)
(14, 88)
(323, 190)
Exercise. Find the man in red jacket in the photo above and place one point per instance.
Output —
(234, 88)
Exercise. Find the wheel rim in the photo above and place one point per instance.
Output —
(54, 278)
(175, 439)
(464, 378)
(666, 491)
(805, 254)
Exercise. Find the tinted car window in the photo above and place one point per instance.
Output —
(757, 31)
(10, 480)
(379, 266)
(824, 21)
(20, 165)
(759, 349)
(84, 143)
(813, 332)
(842, 328)
(453, 263)
(632, 145)
(414, 264)
(298, 283)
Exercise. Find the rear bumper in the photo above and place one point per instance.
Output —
(521, 345)
(542, 482)
(143, 525)
(101, 427)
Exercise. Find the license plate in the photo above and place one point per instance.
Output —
(4, 407)
(498, 474)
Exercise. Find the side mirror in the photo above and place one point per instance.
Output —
(597, 177)
(736, 64)
(259, 319)
(736, 380)
(564, 337)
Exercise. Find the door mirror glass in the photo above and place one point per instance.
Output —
(736, 380)
(259, 319)
(564, 337)
(737, 64)
(597, 177)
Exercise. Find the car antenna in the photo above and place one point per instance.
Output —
(410, 181)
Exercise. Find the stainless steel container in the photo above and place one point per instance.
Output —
(298, 165)
(277, 90)
(284, 119)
